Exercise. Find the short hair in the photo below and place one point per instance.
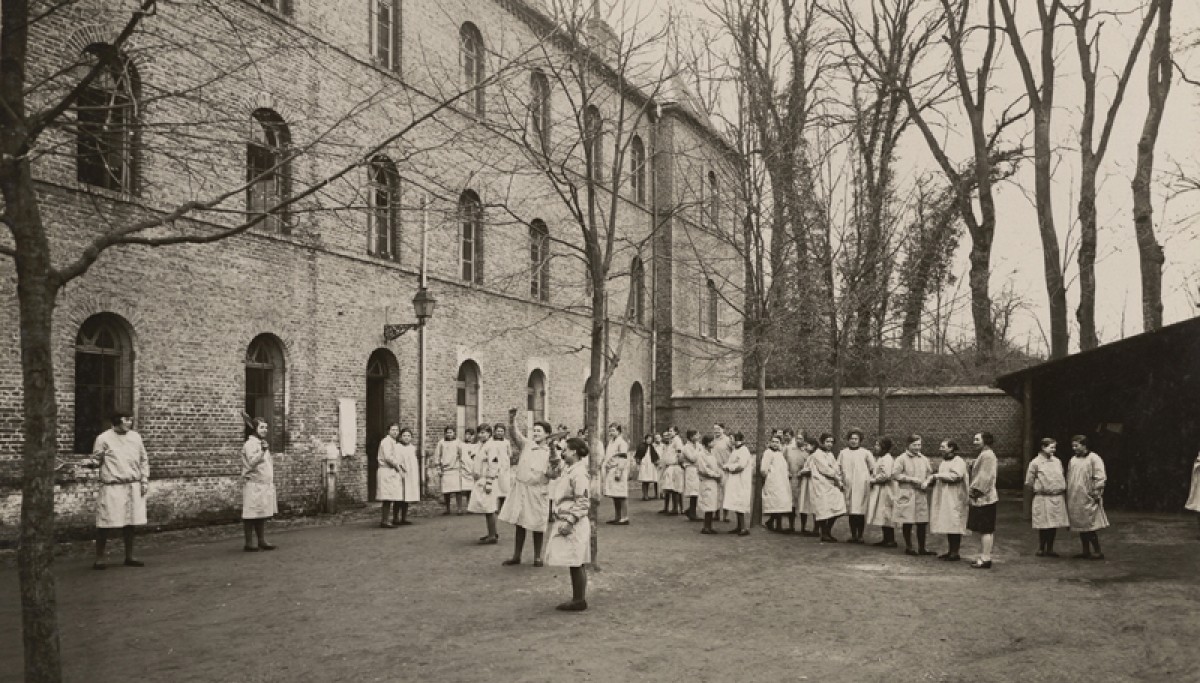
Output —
(690, 434)
(389, 427)
(952, 445)
(1080, 439)
(611, 425)
(738, 436)
(811, 441)
(987, 438)
(788, 432)
(649, 437)
(452, 428)
(119, 415)
(499, 425)
(854, 432)
(405, 429)
(913, 438)
(251, 429)
(466, 431)
(885, 444)
(824, 436)
(483, 429)
(720, 424)
(706, 441)
(1048, 442)
(579, 446)
(545, 426)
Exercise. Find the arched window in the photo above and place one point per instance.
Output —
(268, 169)
(474, 70)
(637, 414)
(593, 125)
(383, 218)
(265, 376)
(106, 118)
(539, 261)
(535, 390)
(470, 253)
(385, 33)
(467, 396)
(103, 376)
(710, 308)
(637, 290)
(539, 108)
(714, 200)
(637, 167)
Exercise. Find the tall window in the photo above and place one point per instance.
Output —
(539, 261)
(637, 169)
(594, 143)
(103, 376)
(710, 309)
(384, 209)
(268, 169)
(385, 34)
(106, 114)
(539, 108)
(535, 392)
(637, 290)
(265, 374)
(467, 396)
(474, 71)
(714, 200)
(470, 254)
(588, 386)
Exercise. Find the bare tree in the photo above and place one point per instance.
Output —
(953, 22)
(1091, 150)
(1150, 252)
(1041, 103)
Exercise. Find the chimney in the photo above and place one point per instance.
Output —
(601, 38)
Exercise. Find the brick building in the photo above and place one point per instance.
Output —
(286, 320)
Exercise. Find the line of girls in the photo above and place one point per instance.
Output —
(802, 478)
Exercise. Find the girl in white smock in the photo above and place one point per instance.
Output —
(1193, 501)
(710, 484)
(738, 491)
(258, 488)
(777, 487)
(951, 493)
(487, 464)
(883, 493)
(827, 488)
(689, 457)
(570, 543)
(1049, 507)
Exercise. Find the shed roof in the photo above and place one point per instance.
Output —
(1125, 354)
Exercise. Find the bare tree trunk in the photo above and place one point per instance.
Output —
(595, 394)
(1041, 101)
(36, 291)
(760, 409)
(1150, 252)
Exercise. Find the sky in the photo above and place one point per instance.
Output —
(1017, 254)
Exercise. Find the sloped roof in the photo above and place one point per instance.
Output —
(1157, 347)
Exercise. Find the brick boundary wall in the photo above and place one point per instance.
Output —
(934, 413)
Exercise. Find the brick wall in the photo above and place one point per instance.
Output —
(191, 311)
(936, 414)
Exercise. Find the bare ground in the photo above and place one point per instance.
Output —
(343, 600)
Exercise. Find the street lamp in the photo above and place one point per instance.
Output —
(423, 305)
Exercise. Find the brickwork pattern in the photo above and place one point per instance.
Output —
(192, 310)
(935, 416)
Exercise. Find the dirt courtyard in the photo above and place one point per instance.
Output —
(352, 602)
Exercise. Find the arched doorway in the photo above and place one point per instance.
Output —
(383, 406)
(535, 390)
(637, 414)
(103, 376)
(467, 396)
